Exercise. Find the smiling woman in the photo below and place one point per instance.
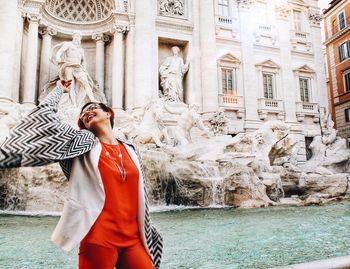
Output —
(106, 208)
(89, 112)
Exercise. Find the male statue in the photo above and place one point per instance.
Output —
(69, 57)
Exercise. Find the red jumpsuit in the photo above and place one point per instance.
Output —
(114, 238)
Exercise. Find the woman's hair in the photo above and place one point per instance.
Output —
(103, 107)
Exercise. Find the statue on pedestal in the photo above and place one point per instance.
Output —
(171, 76)
(70, 59)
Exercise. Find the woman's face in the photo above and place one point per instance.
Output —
(93, 116)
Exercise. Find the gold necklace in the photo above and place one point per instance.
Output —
(122, 170)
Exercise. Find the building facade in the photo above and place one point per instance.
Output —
(337, 32)
(255, 59)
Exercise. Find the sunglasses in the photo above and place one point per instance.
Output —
(89, 108)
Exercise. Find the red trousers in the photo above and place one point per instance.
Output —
(93, 256)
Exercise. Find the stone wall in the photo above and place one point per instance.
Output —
(342, 126)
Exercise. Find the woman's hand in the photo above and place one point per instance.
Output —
(64, 85)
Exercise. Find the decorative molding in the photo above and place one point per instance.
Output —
(100, 37)
(244, 4)
(118, 28)
(33, 4)
(283, 12)
(315, 18)
(32, 17)
(172, 8)
(81, 11)
(268, 64)
(44, 30)
(126, 5)
(304, 69)
(173, 25)
(228, 59)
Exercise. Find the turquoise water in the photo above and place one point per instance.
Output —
(202, 238)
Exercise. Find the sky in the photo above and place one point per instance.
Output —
(323, 3)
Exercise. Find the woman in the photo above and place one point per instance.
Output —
(106, 209)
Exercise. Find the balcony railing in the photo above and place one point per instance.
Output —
(307, 109)
(265, 27)
(223, 20)
(301, 36)
(233, 103)
(270, 104)
(230, 100)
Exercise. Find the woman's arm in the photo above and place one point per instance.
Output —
(42, 138)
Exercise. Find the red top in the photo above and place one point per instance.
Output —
(116, 226)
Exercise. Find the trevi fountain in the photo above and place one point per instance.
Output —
(193, 164)
(188, 160)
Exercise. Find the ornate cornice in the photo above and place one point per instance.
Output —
(100, 37)
(119, 28)
(315, 18)
(44, 30)
(31, 17)
(163, 23)
(283, 11)
(244, 4)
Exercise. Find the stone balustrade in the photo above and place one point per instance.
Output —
(223, 20)
(233, 103)
(307, 109)
(270, 106)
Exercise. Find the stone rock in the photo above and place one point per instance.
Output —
(290, 180)
(290, 201)
(317, 199)
(33, 189)
(332, 185)
(242, 188)
(273, 185)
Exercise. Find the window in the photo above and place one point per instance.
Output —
(347, 82)
(304, 84)
(344, 51)
(229, 81)
(341, 18)
(268, 84)
(297, 21)
(348, 142)
(347, 114)
(224, 8)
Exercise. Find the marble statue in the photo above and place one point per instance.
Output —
(70, 60)
(329, 151)
(219, 122)
(151, 128)
(172, 7)
(10, 114)
(171, 73)
(186, 121)
(329, 134)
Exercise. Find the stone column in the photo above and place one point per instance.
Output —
(30, 61)
(129, 76)
(208, 62)
(45, 57)
(146, 55)
(251, 86)
(195, 96)
(289, 86)
(118, 67)
(100, 59)
(8, 31)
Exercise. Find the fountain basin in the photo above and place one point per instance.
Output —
(203, 238)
